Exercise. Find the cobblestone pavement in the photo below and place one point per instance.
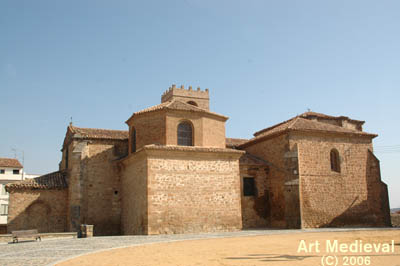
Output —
(52, 251)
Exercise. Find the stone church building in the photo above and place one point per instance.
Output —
(174, 171)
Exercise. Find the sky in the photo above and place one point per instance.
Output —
(97, 62)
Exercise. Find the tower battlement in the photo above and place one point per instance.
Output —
(196, 97)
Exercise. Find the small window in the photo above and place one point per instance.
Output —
(249, 188)
(192, 103)
(335, 161)
(3, 209)
(2, 171)
(133, 140)
(16, 172)
(185, 134)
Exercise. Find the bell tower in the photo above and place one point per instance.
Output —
(197, 97)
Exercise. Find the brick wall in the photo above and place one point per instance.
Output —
(150, 129)
(45, 210)
(175, 117)
(208, 131)
(213, 132)
(201, 98)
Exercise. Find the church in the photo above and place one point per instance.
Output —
(174, 171)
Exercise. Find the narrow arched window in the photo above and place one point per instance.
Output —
(335, 161)
(192, 103)
(133, 140)
(185, 134)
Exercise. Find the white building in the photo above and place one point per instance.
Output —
(11, 170)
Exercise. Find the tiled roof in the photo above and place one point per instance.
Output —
(9, 162)
(97, 133)
(302, 124)
(309, 115)
(232, 143)
(312, 125)
(250, 159)
(175, 105)
(314, 114)
(55, 180)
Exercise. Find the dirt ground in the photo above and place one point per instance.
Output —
(271, 250)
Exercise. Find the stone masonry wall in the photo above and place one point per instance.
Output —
(273, 151)
(102, 191)
(329, 198)
(191, 191)
(134, 194)
(255, 209)
(378, 198)
(45, 210)
(94, 184)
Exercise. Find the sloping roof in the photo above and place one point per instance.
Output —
(314, 114)
(232, 142)
(309, 115)
(55, 180)
(97, 133)
(299, 123)
(175, 105)
(250, 159)
(9, 162)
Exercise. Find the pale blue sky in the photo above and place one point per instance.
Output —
(263, 61)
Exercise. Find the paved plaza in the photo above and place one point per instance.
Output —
(52, 251)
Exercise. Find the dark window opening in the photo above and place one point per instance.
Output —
(133, 140)
(2, 171)
(116, 192)
(16, 172)
(66, 158)
(335, 161)
(192, 103)
(249, 188)
(185, 134)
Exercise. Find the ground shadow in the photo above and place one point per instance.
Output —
(270, 257)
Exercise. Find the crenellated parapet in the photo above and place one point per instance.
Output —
(197, 97)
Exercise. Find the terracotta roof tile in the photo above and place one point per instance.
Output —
(55, 180)
(311, 125)
(302, 124)
(97, 133)
(9, 162)
(314, 114)
(175, 105)
(250, 159)
(232, 142)
(309, 115)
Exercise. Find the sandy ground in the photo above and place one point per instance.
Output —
(268, 250)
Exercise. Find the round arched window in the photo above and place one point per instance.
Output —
(185, 134)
